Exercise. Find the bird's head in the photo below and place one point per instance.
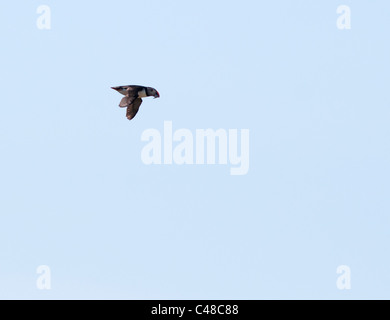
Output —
(152, 92)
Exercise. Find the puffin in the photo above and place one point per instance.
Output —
(133, 97)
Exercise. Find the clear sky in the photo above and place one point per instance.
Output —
(77, 197)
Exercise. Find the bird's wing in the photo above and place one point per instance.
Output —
(126, 101)
(133, 108)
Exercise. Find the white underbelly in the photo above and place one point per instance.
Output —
(142, 94)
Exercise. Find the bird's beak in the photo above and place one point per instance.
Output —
(157, 95)
(115, 88)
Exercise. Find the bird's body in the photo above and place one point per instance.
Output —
(133, 97)
(142, 94)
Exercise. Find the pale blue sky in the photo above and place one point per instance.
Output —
(75, 195)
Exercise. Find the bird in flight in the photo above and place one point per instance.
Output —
(133, 98)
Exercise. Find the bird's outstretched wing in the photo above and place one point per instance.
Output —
(126, 101)
(133, 108)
